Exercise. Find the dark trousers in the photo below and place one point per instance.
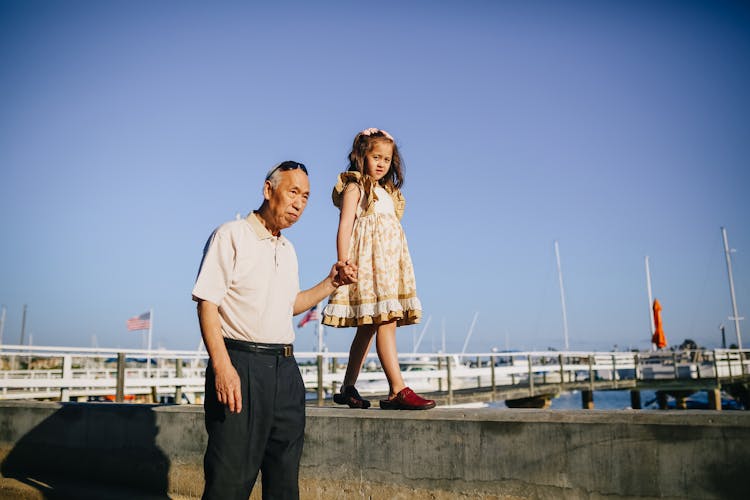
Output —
(266, 436)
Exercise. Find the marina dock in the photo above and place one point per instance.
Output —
(53, 443)
(521, 379)
(74, 450)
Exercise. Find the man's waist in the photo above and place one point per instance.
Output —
(285, 350)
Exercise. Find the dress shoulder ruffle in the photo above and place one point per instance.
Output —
(367, 187)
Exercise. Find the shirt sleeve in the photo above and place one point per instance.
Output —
(217, 266)
(296, 272)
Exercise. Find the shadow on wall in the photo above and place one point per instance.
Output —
(82, 447)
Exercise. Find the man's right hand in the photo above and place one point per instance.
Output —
(228, 388)
(227, 381)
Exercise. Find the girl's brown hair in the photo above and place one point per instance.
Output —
(363, 143)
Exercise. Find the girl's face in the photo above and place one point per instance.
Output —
(378, 159)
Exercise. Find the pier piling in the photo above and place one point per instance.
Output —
(450, 380)
(492, 372)
(321, 393)
(120, 388)
(714, 399)
(587, 400)
(178, 388)
(635, 400)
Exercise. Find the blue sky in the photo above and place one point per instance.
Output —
(130, 130)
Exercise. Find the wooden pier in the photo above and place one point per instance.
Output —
(522, 379)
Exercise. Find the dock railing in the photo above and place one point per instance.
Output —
(66, 373)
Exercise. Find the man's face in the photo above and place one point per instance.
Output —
(288, 199)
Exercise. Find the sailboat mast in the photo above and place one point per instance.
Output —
(421, 335)
(23, 325)
(2, 324)
(468, 334)
(562, 295)
(736, 316)
(443, 337)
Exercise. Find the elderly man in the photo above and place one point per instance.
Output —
(247, 292)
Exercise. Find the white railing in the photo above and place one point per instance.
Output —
(65, 373)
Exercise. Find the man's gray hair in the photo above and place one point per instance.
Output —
(275, 178)
(274, 175)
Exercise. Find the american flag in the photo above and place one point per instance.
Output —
(142, 322)
(312, 315)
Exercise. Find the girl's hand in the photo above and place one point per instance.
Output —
(350, 272)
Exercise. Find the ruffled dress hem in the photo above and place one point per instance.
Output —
(407, 311)
(402, 319)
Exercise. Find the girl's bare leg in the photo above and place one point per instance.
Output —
(358, 352)
(385, 343)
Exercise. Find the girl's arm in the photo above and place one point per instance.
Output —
(308, 298)
(341, 273)
(349, 202)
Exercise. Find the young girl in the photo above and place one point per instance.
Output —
(370, 236)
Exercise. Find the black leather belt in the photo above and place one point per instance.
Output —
(286, 350)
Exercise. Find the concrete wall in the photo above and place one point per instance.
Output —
(442, 453)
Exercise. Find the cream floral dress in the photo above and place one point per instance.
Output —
(385, 288)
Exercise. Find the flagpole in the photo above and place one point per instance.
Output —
(148, 355)
(320, 328)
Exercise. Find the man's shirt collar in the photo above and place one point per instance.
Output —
(258, 227)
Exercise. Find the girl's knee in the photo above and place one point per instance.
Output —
(387, 327)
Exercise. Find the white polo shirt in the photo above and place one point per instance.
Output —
(253, 277)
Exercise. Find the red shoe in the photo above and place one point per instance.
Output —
(407, 399)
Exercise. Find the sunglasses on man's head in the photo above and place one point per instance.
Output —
(287, 165)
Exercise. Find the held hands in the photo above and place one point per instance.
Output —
(343, 273)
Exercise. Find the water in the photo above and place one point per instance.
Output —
(620, 400)
(603, 400)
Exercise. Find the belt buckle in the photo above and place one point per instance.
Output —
(288, 351)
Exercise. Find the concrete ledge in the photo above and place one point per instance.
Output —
(442, 453)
